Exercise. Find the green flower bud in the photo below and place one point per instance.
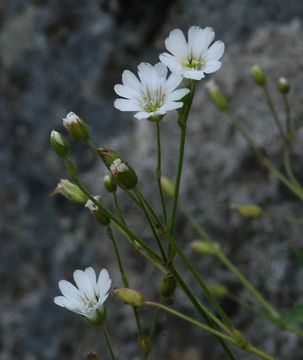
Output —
(59, 144)
(167, 186)
(72, 170)
(130, 296)
(205, 248)
(283, 85)
(168, 286)
(102, 218)
(70, 191)
(109, 184)
(248, 210)
(145, 345)
(218, 290)
(76, 127)
(123, 175)
(217, 97)
(258, 75)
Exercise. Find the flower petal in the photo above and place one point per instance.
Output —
(176, 44)
(178, 94)
(69, 290)
(171, 62)
(130, 79)
(161, 69)
(60, 300)
(126, 105)
(212, 66)
(216, 51)
(142, 115)
(172, 82)
(84, 284)
(172, 105)
(194, 74)
(125, 91)
(91, 274)
(104, 282)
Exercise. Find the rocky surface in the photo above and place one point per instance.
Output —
(62, 55)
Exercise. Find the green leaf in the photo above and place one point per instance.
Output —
(298, 253)
(295, 316)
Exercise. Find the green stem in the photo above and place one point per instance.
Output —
(123, 275)
(118, 208)
(108, 342)
(159, 172)
(183, 115)
(287, 114)
(246, 346)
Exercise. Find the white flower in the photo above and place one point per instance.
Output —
(89, 297)
(71, 118)
(90, 205)
(153, 94)
(193, 58)
(118, 166)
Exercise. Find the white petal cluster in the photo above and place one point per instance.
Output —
(90, 205)
(118, 166)
(71, 118)
(194, 57)
(89, 295)
(152, 94)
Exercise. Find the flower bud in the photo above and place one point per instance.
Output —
(217, 97)
(205, 248)
(168, 286)
(130, 296)
(218, 290)
(283, 85)
(168, 186)
(70, 191)
(109, 184)
(258, 75)
(59, 144)
(76, 127)
(99, 215)
(123, 175)
(145, 345)
(248, 210)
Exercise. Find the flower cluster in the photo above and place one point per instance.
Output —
(154, 93)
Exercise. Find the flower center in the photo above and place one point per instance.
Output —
(89, 303)
(153, 102)
(193, 64)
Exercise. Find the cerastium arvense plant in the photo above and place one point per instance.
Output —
(151, 95)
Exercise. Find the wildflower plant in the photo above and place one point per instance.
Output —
(150, 96)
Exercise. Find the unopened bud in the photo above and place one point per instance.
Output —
(217, 97)
(258, 75)
(283, 85)
(205, 248)
(94, 209)
(168, 286)
(59, 143)
(109, 184)
(76, 127)
(130, 296)
(248, 210)
(70, 191)
(145, 345)
(123, 175)
(168, 186)
(218, 290)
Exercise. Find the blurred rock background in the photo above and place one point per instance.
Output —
(62, 55)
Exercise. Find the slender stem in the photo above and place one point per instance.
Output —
(159, 172)
(153, 328)
(154, 231)
(117, 207)
(108, 342)
(246, 346)
(190, 320)
(287, 114)
(183, 115)
(273, 111)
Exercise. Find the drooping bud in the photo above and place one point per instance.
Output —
(258, 75)
(70, 191)
(123, 175)
(109, 184)
(145, 345)
(76, 127)
(205, 247)
(217, 97)
(168, 286)
(99, 215)
(59, 144)
(283, 85)
(218, 290)
(168, 186)
(130, 296)
(248, 210)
